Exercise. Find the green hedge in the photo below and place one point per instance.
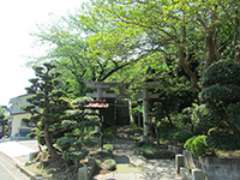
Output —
(223, 72)
(197, 145)
(221, 93)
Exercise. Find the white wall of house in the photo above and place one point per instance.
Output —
(17, 123)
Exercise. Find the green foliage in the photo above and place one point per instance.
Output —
(109, 164)
(197, 145)
(39, 135)
(222, 72)
(222, 138)
(221, 95)
(180, 127)
(3, 122)
(233, 114)
(203, 119)
(47, 106)
(181, 136)
(173, 135)
(64, 126)
(120, 40)
(221, 84)
(218, 94)
(3, 113)
(65, 142)
(80, 131)
(108, 147)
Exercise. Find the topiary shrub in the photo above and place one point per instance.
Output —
(221, 93)
(221, 83)
(221, 87)
(222, 72)
(220, 138)
(197, 145)
(203, 118)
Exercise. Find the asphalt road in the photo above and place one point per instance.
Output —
(4, 174)
(8, 171)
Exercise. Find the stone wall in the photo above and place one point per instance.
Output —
(214, 168)
(221, 169)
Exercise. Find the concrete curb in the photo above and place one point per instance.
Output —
(28, 173)
(19, 162)
(15, 162)
(24, 170)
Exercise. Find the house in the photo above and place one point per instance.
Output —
(20, 127)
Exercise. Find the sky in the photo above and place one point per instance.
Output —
(18, 19)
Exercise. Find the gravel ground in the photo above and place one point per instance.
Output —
(158, 169)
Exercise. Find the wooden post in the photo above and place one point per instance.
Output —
(145, 115)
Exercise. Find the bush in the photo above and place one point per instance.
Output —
(173, 135)
(109, 165)
(222, 72)
(108, 147)
(203, 119)
(221, 82)
(197, 145)
(234, 115)
(181, 136)
(223, 139)
(221, 93)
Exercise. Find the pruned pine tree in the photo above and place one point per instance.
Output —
(80, 131)
(47, 106)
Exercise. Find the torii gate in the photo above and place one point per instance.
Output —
(101, 93)
(101, 88)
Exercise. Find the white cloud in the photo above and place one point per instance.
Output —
(17, 20)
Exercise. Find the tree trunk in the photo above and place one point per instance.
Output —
(51, 150)
(211, 47)
(183, 60)
(186, 67)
